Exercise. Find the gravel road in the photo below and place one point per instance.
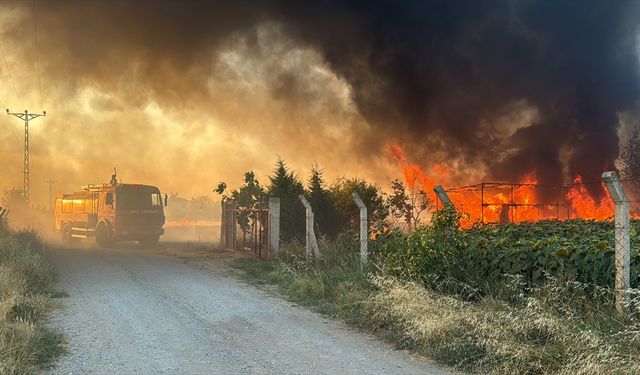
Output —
(134, 311)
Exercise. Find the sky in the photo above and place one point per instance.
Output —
(184, 94)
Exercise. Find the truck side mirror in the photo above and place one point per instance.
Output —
(166, 200)
(108, 199)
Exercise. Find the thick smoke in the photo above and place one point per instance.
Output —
(501, 87)
(446, 71)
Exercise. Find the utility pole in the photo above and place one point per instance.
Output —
(26, 117)
(50, 182)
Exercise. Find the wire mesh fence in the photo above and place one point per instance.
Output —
(503, 202)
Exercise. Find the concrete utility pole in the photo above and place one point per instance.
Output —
(50, 182)
(26, 117)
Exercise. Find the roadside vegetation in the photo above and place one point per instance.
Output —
(505, 324)
(26, 286)
(529, 298)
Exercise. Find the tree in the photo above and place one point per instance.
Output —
(14, 199)
(630, 165)
(250, 195)
(398, 201)
(286, 186)
(324, 209)
(349, 213)
(408, 206)
(630, 155)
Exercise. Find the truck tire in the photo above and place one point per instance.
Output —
(149, 240)
(66, 234)
(104, 238)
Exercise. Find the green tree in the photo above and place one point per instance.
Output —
(250, 195)
(324, 209)
(288, 187)
(371, 195)
(408, 206)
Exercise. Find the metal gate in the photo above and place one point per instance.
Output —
(245, 229)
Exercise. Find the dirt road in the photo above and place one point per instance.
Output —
(133, 311)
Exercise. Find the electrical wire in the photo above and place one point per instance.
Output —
(10, 75)
(2, 103)
(35, 42)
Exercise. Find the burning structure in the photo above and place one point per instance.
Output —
(512, 202)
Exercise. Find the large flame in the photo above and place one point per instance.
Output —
(584, 206)
(506, 202)
(414, 176)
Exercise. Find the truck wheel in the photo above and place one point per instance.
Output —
(103, 235)
(149, 240)
(66, 234)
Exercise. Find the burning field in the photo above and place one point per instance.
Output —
(511, 202)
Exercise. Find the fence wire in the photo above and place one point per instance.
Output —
(503, 202)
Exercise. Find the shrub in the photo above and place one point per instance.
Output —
(26, 279)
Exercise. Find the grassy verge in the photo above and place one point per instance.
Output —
(26, 286)
(556, 327)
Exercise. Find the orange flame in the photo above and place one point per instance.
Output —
(584, 206)
(501, 203)
(414, 177)
(191, 223)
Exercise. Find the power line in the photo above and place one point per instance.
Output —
(10, 75)
(35, 42)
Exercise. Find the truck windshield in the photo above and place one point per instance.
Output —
(138, 197)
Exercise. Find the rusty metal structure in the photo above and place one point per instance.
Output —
(478, 198)
(506, 202)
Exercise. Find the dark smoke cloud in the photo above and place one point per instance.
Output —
(441, 68)
(436, 75)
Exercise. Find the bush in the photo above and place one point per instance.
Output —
(26, 279)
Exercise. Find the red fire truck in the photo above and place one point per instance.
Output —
(111, 212)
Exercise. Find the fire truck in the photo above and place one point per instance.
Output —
(110, 213)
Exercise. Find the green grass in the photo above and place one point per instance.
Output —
(555, 327)
(26, 286)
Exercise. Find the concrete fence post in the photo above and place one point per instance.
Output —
(232, 221)
(274, 225)
(443, 196)
(623, 243)
(311, 243)
(3, 215)
(364, 229)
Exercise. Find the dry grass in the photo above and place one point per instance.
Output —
(26, 279)
(496, 337)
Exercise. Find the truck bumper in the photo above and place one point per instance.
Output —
(137, 233)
